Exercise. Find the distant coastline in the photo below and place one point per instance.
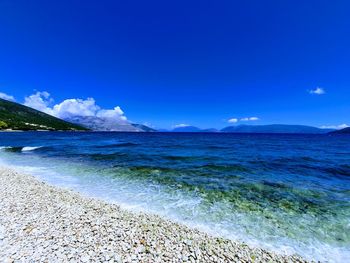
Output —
(15, 116)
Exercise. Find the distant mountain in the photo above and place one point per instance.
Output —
(15, 116)
(107, 124)
(342, 131)
(192, 129)
(275, 128)
(210, 130)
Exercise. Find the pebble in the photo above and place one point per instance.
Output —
(42, 223)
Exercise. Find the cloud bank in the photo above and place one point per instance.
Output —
(250, 119)
(181, 125)
(235, 120)
(6, 97)
(337, 127)
(317, 91)
(72, 107)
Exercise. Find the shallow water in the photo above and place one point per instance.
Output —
(289, 193)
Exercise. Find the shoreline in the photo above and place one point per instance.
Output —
(45, 223)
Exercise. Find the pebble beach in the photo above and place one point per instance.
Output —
(43, 223)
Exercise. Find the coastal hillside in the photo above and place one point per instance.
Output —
(275, 128)
(14, 116)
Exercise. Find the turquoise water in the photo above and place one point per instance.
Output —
(288, 193)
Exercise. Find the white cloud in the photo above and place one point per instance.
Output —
(39, 101)
(235, 120)
(181, 125)
(232, 120)
(76, 107)
(249, 119)
(6, 96)
(72, 107)
(317, 91)
(338, 127)
(115, 113)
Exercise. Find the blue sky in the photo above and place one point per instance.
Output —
(183, 62)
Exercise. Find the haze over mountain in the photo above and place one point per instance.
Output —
(143, 127)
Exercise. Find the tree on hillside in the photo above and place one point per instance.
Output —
(3, 125)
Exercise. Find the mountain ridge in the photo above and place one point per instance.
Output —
(269, 128)
(342, 131)
(275, 128)
(108, 124)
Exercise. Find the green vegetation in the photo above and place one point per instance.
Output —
(15, 116)
(3, 125)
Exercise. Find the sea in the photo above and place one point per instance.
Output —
(286, 193)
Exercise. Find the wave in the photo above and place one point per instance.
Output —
(11, 149)
(5, 147)
(19, 148)
(30, 148)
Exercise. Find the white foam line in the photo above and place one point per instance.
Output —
(100, 190)
(30, 148)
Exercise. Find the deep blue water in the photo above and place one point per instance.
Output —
(284, 192)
